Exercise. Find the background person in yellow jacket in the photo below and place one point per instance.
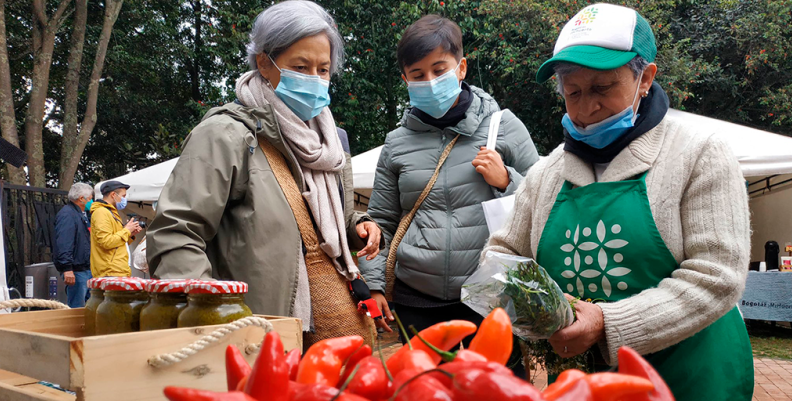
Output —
(110, 238)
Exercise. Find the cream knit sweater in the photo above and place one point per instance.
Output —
(698, 198)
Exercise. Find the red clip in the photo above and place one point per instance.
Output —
(370, 306)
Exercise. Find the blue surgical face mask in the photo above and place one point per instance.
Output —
(122, 204)
(435, 97)
(605, 132)
(306, 95)
(88, 205)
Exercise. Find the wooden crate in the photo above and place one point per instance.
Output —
(50, 346)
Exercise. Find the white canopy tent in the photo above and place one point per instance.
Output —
(760, 153)
(146, 184)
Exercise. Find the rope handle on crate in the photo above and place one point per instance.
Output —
(163, 360)
(32, 303)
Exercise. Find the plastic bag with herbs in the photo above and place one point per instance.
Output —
(533, 300)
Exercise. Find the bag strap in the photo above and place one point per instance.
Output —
(494, 126)
(404, 224)
(292, 193)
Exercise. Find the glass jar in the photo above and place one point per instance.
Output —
(120, 310)
(214, 302)
(168, 299)
(97, 296)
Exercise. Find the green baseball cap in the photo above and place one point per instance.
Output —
(602, 37)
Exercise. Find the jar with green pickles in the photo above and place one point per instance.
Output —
(214, 302)
(124, 298)
(167, 300)
(97, 296)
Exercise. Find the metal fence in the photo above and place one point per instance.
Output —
(28, 227)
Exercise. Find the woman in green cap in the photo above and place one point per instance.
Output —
(640, 211)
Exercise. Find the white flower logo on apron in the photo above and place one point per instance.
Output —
(584, 251)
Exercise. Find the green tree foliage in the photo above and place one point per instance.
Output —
(726, 59)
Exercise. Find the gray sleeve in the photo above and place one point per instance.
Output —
(193, 200)
(517, 149)
(385, 209)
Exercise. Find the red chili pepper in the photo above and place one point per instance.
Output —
(424, 388)
(237, 367)
(579, 391)
(444, 336)
(460, 355)
(349, 366)
(457, 367)
(293, 361)
(323, 362)
(566, 380)
(418, 360)
(242, 384)
(189, 394)
(494, 337)
(401, 378)
(370, 380)
(631, 363)
(477, 385)
(320, 392)
(269, 380)
(607, 386)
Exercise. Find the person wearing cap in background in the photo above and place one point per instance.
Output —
(72, 244)
(639, 211)
(110, 238)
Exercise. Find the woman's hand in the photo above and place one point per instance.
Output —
(588, 329)
(489, 164)
(370, 230)
(382, 304)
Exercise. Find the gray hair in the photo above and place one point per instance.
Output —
(281, 25)
(79, 190)
(562, 68)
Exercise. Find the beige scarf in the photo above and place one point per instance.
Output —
(319, 152)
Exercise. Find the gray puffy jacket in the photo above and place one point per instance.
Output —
(442, 246)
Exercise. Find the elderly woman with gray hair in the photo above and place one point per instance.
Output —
(642, 217)
(262, 192)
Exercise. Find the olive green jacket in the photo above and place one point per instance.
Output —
(223, 215)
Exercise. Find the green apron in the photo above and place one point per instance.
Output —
(601, 242)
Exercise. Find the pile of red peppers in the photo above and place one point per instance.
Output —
(343, 369)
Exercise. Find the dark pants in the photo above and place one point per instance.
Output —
(77, 293)
(422, 318)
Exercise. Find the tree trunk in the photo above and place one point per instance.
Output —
(44, 41)
(194, 65)
(7, 113)
(69, 165)
(72, 85)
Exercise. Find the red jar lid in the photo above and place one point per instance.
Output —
(169, 286)
(217, 287)
(123, 284)
(96, 283)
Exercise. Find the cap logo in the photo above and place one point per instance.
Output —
(586, 16)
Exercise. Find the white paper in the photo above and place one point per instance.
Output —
(496, 211)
